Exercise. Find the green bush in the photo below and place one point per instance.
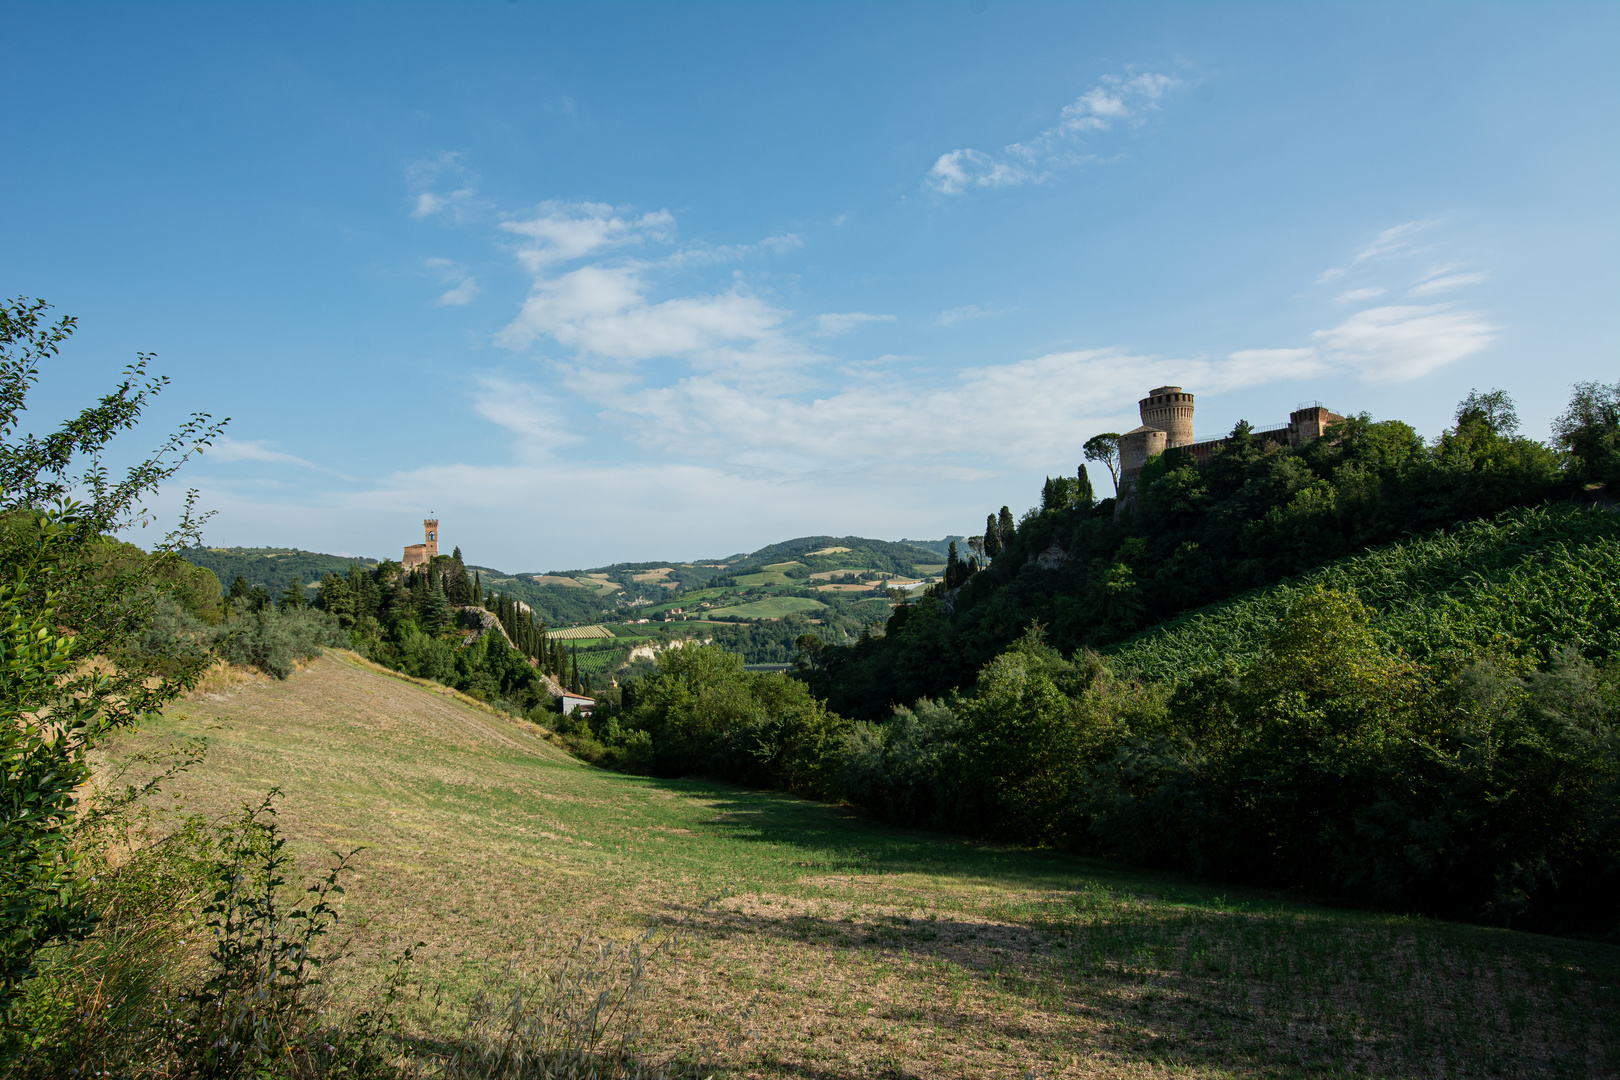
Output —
(701, 712)
(275, 639)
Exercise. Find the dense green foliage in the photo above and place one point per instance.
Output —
(271, 569)
(1531, 580)
(74, 610)
(1486, 789)
(1261, 512)
(699, 711)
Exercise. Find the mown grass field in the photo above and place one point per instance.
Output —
(845, 949)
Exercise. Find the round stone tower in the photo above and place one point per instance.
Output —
(1171, 411)
(1135, 447)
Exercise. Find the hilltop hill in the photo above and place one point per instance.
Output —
(851, 949)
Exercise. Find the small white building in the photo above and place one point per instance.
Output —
(572, 701)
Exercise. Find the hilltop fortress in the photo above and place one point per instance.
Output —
(1167, 424)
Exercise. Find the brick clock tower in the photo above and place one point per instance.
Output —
(425, 552)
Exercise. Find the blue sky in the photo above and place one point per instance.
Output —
(611, 282)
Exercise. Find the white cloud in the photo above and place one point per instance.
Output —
(1444, 283)
(1399, 343)
(835, 323)
(1115, 101)
(1353, 295)
(561, 232)
(956, 171)
(969, 311)
(603, 311)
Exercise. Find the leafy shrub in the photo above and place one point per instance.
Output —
(275, 639)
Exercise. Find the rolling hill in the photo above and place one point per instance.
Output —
(837, 947)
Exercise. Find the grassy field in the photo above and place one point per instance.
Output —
(764, 577)
(843, 949)
(772, 608)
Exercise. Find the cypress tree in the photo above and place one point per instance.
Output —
(992, 537)
(953, 572)
(1008, 528)
(1083, 494)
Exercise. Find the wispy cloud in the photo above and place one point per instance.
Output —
(463, 289)
(1394, 241)
(1350, 296)
(1116, 101)
(227, 449)
(712, 255)
(969, 311)
(559, 232)
(442, 184)
(536, 417)
(1444, 283)
(1400, 343)
(835, 323)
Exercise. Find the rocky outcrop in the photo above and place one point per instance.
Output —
(1053, 558)
(650, 652)
(481, 622)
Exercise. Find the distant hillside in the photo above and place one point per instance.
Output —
(273, 568)
(563, 597)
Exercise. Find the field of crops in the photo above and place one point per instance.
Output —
(1543, 577)
(579, 633)
(772, 608)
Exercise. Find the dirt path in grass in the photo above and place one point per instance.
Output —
(838, 948)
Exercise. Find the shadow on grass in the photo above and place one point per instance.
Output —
(1245, 991)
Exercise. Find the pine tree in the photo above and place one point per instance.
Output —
(435, 609)
(367, 593)
(293, 597)
(335, 596)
